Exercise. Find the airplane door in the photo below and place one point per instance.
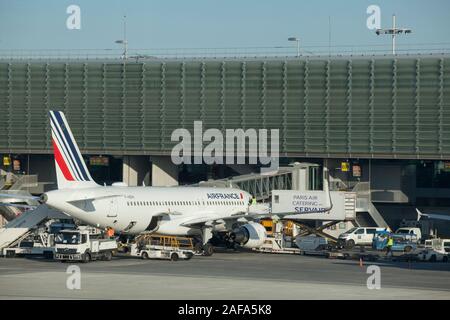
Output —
(112, 208)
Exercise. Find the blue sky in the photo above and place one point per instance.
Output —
(39, 24)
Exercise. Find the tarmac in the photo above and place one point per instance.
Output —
(226, 275)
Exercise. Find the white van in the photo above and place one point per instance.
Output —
(412, 234)
(358, 236)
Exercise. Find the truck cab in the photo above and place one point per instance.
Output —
(413, 234)
(83, 245)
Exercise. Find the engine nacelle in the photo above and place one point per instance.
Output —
(250, 235)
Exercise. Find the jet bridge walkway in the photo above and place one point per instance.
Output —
(258, 185)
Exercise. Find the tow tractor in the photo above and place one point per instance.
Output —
(154, 246)
(435, 250)
(83, 244)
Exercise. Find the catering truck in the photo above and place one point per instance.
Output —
(83, 245)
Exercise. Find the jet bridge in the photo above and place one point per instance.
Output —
(298, 176)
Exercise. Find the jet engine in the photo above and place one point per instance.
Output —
(250, 235)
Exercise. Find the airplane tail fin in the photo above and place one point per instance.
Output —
(71, 170)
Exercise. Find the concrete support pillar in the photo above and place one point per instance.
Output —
(136, 170)
(164, 172)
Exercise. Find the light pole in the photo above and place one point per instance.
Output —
(298, 44)
(124, 40)
(394, 31)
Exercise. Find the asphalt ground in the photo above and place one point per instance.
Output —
(225, 275)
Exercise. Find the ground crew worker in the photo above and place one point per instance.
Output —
(110, 232)
(390, 243)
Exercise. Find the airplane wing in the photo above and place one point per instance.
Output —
(95, 198)
(257, 211)
(18, 196)
(16, 205)
(432, 216)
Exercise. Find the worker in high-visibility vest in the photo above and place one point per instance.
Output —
(110, 232)
(390, 243)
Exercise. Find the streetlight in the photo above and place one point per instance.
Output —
(124, 40)
(393, 31)
(298, 44)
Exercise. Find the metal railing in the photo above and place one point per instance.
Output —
(221, 52)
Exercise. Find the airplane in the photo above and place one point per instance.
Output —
(432, 216)
(177, 210)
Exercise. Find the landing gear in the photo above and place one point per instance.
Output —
(204, 246)
(208, 249)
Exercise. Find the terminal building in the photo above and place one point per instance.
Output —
(381, 124)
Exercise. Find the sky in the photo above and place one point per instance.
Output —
(41, 24)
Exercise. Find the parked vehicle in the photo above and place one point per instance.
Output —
(436, 250)
(83, 245)
(163, 247)
(403, 243)
(415, 234)
(433, 255)
(358, 236)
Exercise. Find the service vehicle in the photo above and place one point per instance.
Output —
(402, 243)
(358, 236)
(163, 247)
(83, 244)
(435, 250)
(414, 234)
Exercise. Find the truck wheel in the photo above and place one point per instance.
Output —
(208, 249)
(350, 244)
(198, 247)
(86, 257)
(174, 256)
(144, 255)
(107, 256)
(408, 249)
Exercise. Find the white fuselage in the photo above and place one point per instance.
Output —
(121, 207)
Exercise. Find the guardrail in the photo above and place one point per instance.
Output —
(139, 54)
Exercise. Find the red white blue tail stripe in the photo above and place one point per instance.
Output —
(67, 155)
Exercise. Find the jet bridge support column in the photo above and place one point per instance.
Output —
(164, 172)
(135, 170)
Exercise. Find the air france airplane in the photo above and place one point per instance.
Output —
(183, 211)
